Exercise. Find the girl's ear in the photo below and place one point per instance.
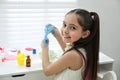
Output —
(86, 34)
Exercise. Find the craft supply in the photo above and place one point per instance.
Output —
(10, 57)
(34, 51)
(20, 59)
(28, 61)
(29, 49)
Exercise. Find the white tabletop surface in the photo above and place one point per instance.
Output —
(105, 59)
(11, 67)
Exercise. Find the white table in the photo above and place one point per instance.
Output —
(105, 64)
(9, 70)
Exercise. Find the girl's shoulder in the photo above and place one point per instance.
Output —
(83, 52)
(78, 52)
(76, 60)
(72, 53)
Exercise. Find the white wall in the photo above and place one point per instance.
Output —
(109, 12)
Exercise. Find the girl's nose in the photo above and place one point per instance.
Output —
(66, 30)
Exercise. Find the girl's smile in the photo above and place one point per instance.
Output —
(67, 38)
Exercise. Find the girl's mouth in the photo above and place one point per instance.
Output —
(67, 37)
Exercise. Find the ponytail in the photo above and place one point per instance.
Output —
(92, 50)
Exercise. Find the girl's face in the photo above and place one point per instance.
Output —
(71, 30)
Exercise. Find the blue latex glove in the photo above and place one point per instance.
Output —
(48, 29)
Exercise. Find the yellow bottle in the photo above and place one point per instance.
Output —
(20, 59)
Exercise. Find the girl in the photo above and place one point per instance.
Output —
(81, 30)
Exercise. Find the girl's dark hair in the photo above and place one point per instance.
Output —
(88, 21)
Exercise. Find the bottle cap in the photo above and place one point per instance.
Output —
(18, 52)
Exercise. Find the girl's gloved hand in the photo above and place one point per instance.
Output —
(48, 29)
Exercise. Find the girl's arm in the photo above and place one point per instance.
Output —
(58, 36)
(70, 60)
(45, 56)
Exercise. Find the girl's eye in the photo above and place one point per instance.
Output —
(72, 28)
(64, 25)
